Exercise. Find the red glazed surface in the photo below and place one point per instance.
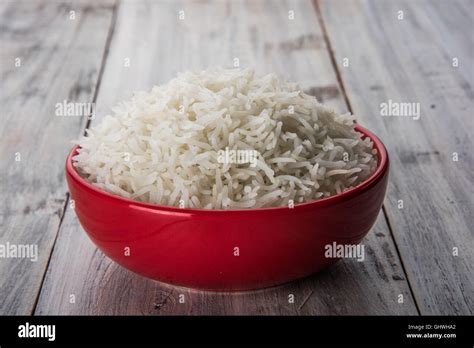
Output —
(195, 247)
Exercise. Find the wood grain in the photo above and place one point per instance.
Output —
(410, 60)
(157, 45)
(45, 58)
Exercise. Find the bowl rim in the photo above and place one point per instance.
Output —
(382, 167)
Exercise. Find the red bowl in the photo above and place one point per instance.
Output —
(227, 249)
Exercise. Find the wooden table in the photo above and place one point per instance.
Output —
(352, 55)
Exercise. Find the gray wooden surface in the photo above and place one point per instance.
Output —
(59, 59)
(409, 251)
(411, 60)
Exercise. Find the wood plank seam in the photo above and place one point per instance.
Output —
(88, 122)
(349, 106)
(305, 300)
(331, 53)
(110, 34)
(61, 218)
(389, 224)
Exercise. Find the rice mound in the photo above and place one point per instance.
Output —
(185, 144)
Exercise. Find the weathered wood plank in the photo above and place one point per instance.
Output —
(260, 34)
(46, 58)
(411, 60)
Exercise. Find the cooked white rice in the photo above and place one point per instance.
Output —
(172, 146)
